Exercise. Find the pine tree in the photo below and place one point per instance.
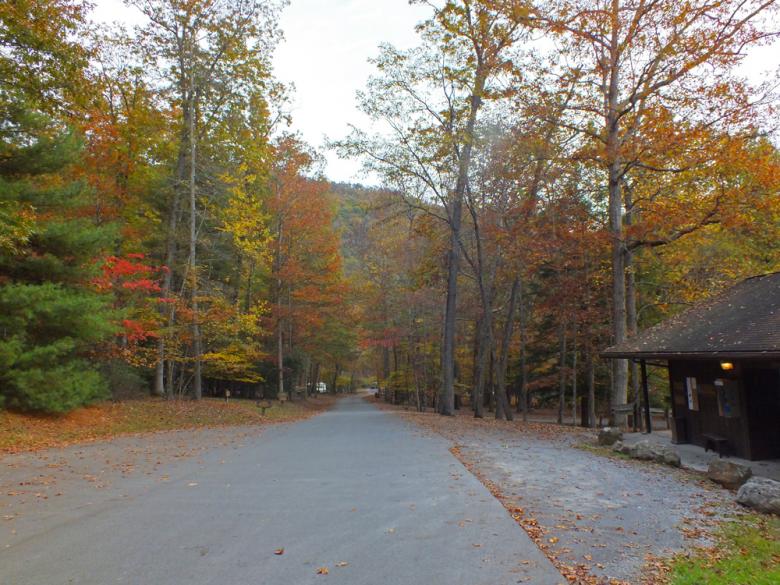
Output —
(50, 316)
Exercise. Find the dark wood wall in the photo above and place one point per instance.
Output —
(762, 390)
(707, 419)
(747, 412)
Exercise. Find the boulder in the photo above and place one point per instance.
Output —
(610, 435)
(650, 451)
(762, 494)
(670, 457)
(728, 474)
(643, 450)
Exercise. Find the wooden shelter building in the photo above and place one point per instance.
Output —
(723, 357)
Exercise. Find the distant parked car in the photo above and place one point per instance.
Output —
(322, 387)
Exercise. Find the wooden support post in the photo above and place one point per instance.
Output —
(646, 397)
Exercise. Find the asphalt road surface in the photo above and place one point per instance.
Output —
(356, 491)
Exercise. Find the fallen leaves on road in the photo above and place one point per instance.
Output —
(323, 571)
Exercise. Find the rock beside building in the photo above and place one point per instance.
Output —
(728, 474)
(762, 494)
(649, 451)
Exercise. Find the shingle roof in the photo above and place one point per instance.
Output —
(743, 321)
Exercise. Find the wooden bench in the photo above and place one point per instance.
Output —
(715, 442)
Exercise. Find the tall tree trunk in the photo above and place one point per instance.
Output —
(336, 374)
(446, 404)
(447, 396)
(475, 355)
(562, 370)
(502, 404)
(589, 357)
(197, 390)
(631, 318)
(591, 388)
(485, 337)
(574, 377)
(305, 376)
(631, 310)
(170, 380)
(385, 363)
(280, 361)
(279, 322)
(487, 285)
(522, 404)
(417, 389)
(159, 388)
(619, 390)
(490, 386)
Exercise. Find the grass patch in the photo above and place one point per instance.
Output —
(747, 552)
(26, 432)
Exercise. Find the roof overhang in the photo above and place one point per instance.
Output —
(671, 355)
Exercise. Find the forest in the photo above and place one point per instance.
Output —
(545, 179)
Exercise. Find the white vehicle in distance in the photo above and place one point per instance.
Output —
(322, 387)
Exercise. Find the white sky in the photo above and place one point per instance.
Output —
(325, 55)
(325, 52)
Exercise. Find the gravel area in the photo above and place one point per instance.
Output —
(596, 511)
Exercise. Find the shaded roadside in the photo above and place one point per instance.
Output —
(29, 432)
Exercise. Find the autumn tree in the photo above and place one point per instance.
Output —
(309, 293)
(431, 98)
(631, 64)
(392, 253)
(217, 56)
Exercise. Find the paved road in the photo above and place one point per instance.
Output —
(355, 490)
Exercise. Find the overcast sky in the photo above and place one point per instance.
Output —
(325, 55)
(325, 52)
